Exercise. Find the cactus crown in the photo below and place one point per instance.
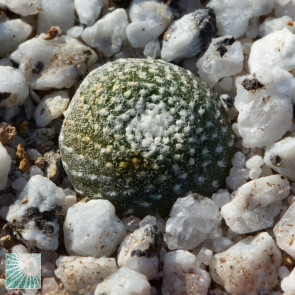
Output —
(142, 133)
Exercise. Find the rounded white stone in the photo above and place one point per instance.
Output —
(92, 229)
(257, 256)
(5, 164)
(182, 274)
(256, 204)
(124, 281)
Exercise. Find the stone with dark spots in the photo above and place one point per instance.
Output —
(221, 45)
(276, 160)
(38, 68)
(206, 21)
(41, 219)
(4, 95)
(252, 84)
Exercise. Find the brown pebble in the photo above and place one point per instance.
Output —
(40, 162)
(25, 162)
(51, 34)
(7, 242)
(7, 132)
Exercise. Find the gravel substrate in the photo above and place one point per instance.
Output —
(241, 239)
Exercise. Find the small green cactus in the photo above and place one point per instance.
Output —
(142, 133)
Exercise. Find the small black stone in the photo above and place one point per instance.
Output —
(122, 3)
(252, 84)
(38, 68)
(221, 45)
(4, 95)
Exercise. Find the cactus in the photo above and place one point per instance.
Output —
(143, 132)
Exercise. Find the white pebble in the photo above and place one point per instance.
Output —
(256, 204)
(204, 256)
(14, 84)
(107, 35)
(149, 21)
(237, 177)
(83, 273)
(23, 7)
(257, 256)
(288, 284)
(283, 272)
(53, 63)
(43, 195)
(192, 218)
(221, 244)
(19, 249)
(140, 251)
(254, 162)
(35, 170)
(280, 156)
(49, 285)
(12, 33)
(75, 31)
(272, 24)
(259, 96)
(239, 160)
(221, 197)
(88, 11)
(56, 13)
(280, 52)
(152, 49)
(5, 163)
(284, 231)
(223, 58)
(124, 281)
(51, 107)
(255, 173)
(96, 224)
(182, 274)
(182, 39)
(33, 154)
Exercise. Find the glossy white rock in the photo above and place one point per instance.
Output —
(140, 251)
(233, 16)
(92, 229)
(23, 7)
(250, 265)
(256, 204)
(259, 97)
(51, 107)
(37, 210)
(187, 36)
(83, 273)
(280, 156)
(288, 283)
(107, 35)
(88, 11)
(12, 33)
(13, 87)
(149, 20)
(237, 177)
(285, 231)
(182, 274)
(254, 162)
(223, 58)
(53, 63)
(56, 13)
(5, 164)
(192, 218)
(280, 52)
(124, 281)
(272, 24)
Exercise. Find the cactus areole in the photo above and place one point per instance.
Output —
(142, 133)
